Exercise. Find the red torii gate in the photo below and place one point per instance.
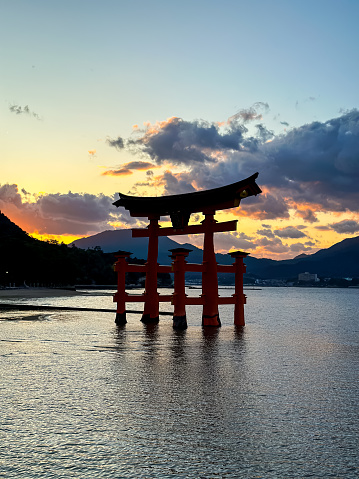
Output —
(179, 208)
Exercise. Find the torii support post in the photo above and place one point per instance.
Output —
(151, 309)
(210, 316)
(179, 295)
(120, 296)
(240, 297)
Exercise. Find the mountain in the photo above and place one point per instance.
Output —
(114, 240)
(9, 231)
(28, 261)
(340, 260)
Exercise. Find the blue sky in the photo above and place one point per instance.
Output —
(78, 73)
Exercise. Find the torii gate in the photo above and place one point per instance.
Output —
(179, 208)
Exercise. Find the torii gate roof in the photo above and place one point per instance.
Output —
(220, 198)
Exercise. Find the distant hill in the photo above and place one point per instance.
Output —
(114, 240)
(10, 231)
(340, 260)
(26, 261)
(23, 258)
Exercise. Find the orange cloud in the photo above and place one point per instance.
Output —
(159, 125)
(127, 168)
(119, 172)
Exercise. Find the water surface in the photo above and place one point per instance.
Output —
(81, 398)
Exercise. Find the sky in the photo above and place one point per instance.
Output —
(160, 98)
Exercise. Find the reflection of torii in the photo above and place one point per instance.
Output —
(179, 208)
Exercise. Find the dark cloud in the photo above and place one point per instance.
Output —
(307, 215)
(346, 227)
(70, 213)
(264, 207)
(139, 165)
(289, 232)
(322, 228)
(19, 110)
(268, 233)
(309, 169)
(233, 241)
(273, 245)
(250, 114)
(187, 142)
(298, 247)
(284, 123)
(184, 142)
(175, 184)
(263, 133)
(119, 144)
(316, 165)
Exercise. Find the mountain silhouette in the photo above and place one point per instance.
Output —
(338, 261)
(27, 257)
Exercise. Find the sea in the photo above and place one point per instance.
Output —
(279, 398)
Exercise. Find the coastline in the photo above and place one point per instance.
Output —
(37, 293)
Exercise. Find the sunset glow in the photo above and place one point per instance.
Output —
(196, 116)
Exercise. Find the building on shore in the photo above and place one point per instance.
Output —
(308, 277)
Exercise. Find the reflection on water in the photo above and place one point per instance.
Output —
(278, 398)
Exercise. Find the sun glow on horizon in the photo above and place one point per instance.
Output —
(66, 239)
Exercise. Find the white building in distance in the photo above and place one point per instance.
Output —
(307, 277)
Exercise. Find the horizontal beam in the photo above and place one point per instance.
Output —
(190, 267)
(142, 268)
(188, 230)
(194, 300)
(140, 298)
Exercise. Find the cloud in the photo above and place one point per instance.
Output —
(119, 144)
(250, 114)
(312, 168)
(346, 227)
(70, 213)
(184, 142)
(273, 245)
(19, 110)
(289, 232)
(268, 233)
(307, 215)
(119, 172)
(264, 207)
(297, 247)
(139, 165)
(176, 184)
(127, 168)
(233, 241)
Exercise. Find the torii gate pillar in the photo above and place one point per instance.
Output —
(240, 297)
(151, 308)
(210, 316)
(179, 295)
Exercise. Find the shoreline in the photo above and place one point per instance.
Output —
(37, 292)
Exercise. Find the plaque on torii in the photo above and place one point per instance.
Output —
(179, 208)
